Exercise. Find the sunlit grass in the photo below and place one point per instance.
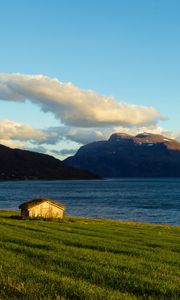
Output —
(88, 259)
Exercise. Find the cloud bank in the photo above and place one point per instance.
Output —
(23, 132)
(63, 141)
(83, 136)
(73, 106)
(14, 134)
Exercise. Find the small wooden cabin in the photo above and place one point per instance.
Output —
(43, 208)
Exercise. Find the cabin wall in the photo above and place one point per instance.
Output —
(24, 213)
(46, 210)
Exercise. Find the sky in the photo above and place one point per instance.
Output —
(73, 72)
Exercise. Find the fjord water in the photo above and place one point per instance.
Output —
(145, 200)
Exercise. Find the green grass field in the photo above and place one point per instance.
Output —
(88, 259)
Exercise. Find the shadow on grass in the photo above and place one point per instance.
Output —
(7, 291)
(15, 217)
(9, 214)
(101, 248)
(24, 227)
(26, 247)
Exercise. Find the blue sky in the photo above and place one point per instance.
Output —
(125, 49)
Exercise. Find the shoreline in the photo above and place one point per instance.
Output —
(88, 220)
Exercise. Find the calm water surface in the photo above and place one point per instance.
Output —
(144, 200)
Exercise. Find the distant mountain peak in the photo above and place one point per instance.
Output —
(123, 155)
(145, 137)
(144, 134)
(119, 135)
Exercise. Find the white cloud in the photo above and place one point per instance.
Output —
(12, 144)
(39, 149)
(72, 106)
(63, 152)
(14, 134)
(75, 134)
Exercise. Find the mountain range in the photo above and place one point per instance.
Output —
(123, 155)
(16, 164)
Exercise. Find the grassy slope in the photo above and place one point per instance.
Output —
(88, 259)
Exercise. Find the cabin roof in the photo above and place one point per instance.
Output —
(37, 201)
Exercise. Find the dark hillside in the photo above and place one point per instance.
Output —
(22, 164)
